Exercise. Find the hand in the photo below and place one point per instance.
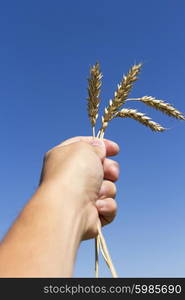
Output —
(66, 208)
(80, 167)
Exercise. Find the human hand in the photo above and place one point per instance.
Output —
(80, 169)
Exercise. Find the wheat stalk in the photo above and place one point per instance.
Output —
(112, 111)
(140, 117)
(94, 85)
(106, 254)
(120, 96)
(97, 249)
(161, 105)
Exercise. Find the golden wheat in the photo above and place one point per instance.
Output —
(94, 85)
(140, 117)
(113, 111)
(120, 95)
(161, 105)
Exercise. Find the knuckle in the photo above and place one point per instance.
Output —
(50, 153)
(114, 208)
(80, 146)
(108, 189)
(116, 163)
(112, 162)
(46, 154)
(112, 189)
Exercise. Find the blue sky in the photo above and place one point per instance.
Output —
(46, 49)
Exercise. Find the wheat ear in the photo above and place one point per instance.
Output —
(120, 96)
(161, 105)
(140, 117)
(94, 85)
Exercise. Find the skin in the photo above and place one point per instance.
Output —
(75, 194)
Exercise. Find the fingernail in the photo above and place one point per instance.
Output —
(100, 204)
(115, 169)
(116, 145)
(97, 142)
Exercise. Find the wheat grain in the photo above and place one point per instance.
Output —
(120, 95)
(140, 117)
(94, 85)
(162, 106)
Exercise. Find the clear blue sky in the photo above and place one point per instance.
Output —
(46, 49)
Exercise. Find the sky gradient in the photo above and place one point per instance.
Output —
(47, 48)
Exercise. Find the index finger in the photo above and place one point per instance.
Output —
(112, 148)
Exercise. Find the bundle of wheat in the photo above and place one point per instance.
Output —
(112, 111)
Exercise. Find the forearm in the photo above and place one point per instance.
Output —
(43, 241)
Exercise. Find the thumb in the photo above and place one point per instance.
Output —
(99, 148)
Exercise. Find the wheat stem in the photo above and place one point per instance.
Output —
(97, 248)
(97, 241)
(93, 132)
(102, 134)
(102, 242)
(98, 134)
(106, 253)
(103, 254)
(132, 99)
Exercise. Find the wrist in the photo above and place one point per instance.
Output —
(69, 204)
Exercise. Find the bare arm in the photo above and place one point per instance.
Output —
(44, 239)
